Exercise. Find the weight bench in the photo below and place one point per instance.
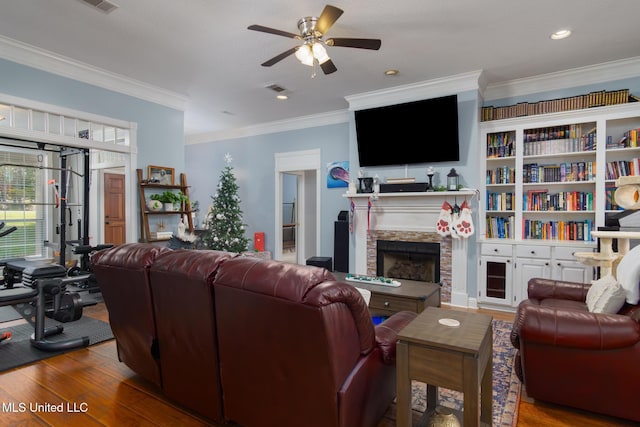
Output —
(40, 283)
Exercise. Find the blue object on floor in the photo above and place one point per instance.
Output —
(378, 319)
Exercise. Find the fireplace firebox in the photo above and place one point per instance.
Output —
(408, 260)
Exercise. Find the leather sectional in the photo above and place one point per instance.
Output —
(246, 341)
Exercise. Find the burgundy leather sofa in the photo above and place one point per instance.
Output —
(127, 296)
(252, 342)
(570, 356)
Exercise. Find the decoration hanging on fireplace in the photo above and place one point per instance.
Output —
(455, 221)
(463, 224)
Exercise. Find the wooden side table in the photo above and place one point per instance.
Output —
(410, 296)
(454, 357)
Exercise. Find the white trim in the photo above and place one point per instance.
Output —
(304, 122)
(416, 91)
(592, 74)
(50, 62)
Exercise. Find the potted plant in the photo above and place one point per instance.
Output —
(170, 199)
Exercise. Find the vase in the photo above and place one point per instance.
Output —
(443, 417)
(154, 205)
(169, 207)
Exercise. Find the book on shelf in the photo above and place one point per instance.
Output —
(161, 235)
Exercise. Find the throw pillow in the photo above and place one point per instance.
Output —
(605, 295)
(628, 274)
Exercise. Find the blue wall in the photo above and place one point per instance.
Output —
(160, 129)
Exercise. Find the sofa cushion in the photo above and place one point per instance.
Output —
(628, 274)
(605, 295)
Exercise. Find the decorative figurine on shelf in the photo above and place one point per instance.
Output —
(453, 179)
(365, 184)
(430, 173)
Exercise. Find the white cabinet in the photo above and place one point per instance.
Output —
(505, 270)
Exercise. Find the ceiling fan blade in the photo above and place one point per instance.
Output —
(273, 31)
(329, 16)
(328, 67)
(280, 57)
(373, 44)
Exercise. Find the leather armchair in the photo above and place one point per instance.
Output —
(298, 348)
(122, 273)
(570, 356)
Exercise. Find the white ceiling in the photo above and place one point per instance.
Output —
(201, 50)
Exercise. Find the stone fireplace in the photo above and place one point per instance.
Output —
(403, 259)
(410, 218)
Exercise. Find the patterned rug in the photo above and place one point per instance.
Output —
(506, 386)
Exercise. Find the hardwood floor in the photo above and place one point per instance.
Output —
(95, 389)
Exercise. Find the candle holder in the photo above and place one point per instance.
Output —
(430, 173)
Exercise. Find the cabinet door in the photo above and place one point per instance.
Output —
(496, 280)
(572, 271)
(528, 268)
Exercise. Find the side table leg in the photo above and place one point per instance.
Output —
(403, 384)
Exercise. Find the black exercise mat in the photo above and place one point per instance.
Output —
(8, 313)
(18, 350)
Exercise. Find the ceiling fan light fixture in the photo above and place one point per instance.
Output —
(561, 34)
(305, 55)
(320, 53)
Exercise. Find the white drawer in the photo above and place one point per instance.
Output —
(496, 249)
(566, 252)
(533, 251)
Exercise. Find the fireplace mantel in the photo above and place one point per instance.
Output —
(413, 212)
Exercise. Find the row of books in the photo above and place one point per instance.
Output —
(556, 132)
(563, 172)
(560, 146)
(564, 201)
(558, 230)
(499, 227)
(628, 140)
(501, 144)
(618, 168)
(578, 102)
(501, 175)
(500, 201)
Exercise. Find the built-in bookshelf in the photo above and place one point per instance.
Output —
(552, 177)
(549, 181)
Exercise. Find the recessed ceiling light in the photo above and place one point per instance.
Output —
(282, 97)
(561, 34)
(391, 72)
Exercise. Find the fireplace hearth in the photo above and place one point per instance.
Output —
(408, 260)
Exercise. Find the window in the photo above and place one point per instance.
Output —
(22, 203)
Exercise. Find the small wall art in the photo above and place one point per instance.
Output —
(338, 174)
(161, 175)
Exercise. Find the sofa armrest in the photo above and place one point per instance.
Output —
(538, 288)
(576, 329)
(387, 334)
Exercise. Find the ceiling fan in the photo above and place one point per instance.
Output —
(312, 30)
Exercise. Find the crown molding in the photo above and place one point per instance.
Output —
(41, 59)
(592, 74)
(416, 91)
(305, 122)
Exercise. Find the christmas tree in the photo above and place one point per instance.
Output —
(225, 230)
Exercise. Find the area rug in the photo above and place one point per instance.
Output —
(506, 386)
(18, 351)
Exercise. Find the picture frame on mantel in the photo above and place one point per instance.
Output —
(161, 175)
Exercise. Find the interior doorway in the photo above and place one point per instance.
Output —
(289, 216)
(301, 169)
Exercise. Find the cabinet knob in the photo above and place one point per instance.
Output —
(559, 264)
(495, 250)
(533, 252)
(386, 304)
(546, 263)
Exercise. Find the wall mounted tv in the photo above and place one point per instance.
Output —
(423, 131)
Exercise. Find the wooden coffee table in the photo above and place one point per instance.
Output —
(454, 357)
(411, 295)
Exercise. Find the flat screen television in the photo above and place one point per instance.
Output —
(423, 131)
